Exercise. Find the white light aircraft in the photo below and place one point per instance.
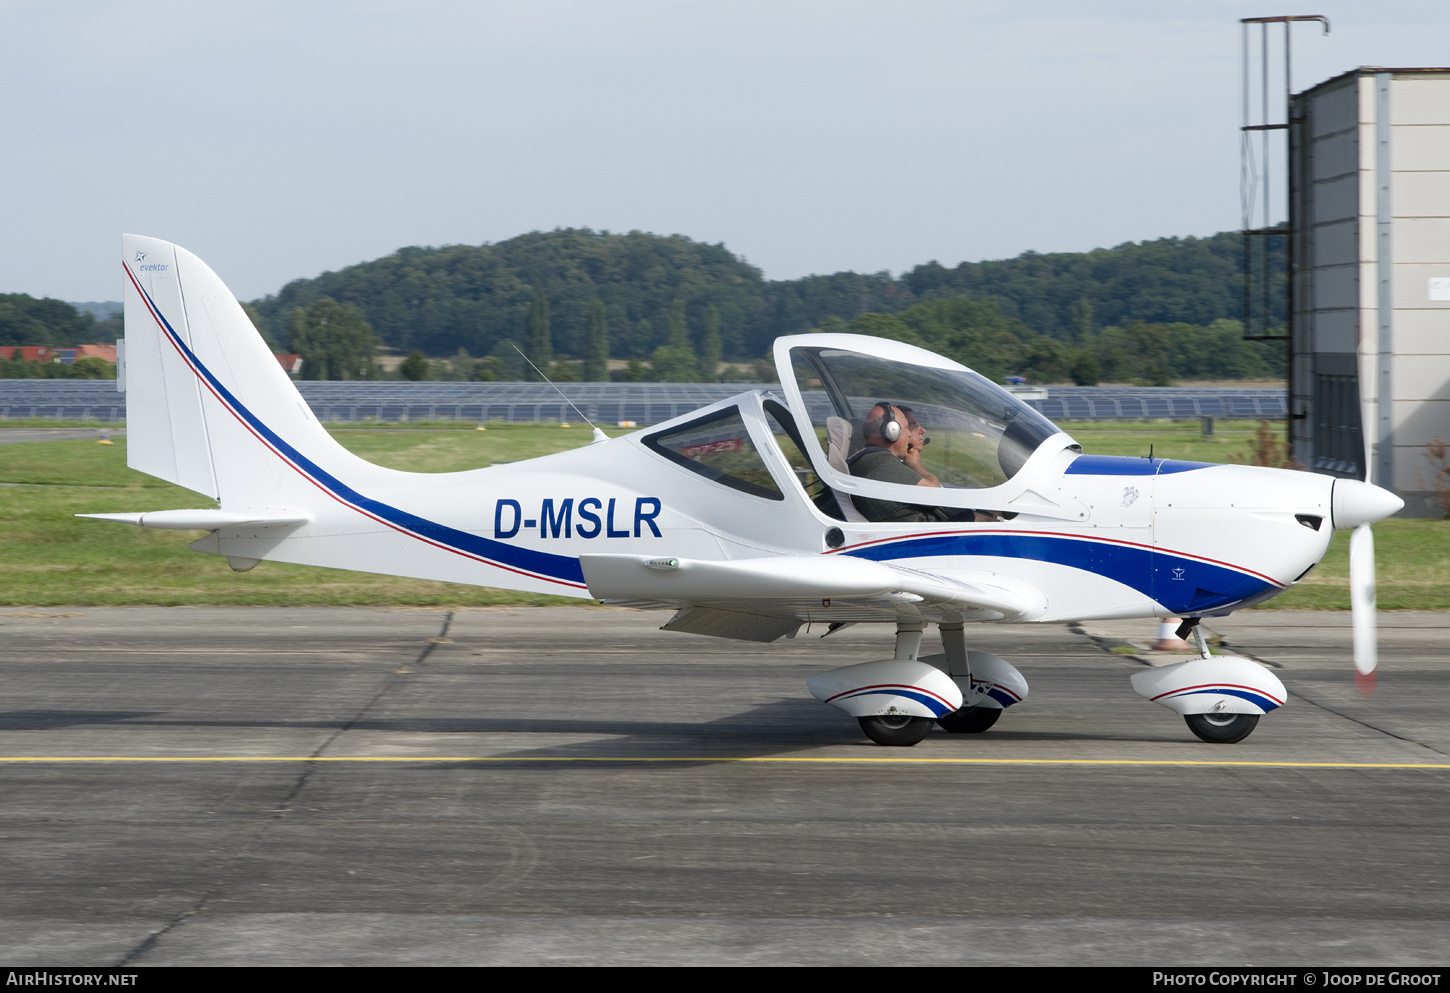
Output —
(741, 516)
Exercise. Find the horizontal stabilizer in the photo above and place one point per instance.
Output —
(206, 520)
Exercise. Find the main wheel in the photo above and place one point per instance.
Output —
(970, 720)
(895, 730)
(1222, 729)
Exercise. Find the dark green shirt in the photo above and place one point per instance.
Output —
(879, 464)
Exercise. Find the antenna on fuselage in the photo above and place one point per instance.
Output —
(598, 434)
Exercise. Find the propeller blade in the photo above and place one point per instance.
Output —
(1362, 604)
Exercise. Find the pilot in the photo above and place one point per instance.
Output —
(914, 428)
(893, 455)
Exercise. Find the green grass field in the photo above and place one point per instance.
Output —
(1166, 439)
(50, 558)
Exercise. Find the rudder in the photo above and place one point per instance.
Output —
(166, 424)
(207, 403)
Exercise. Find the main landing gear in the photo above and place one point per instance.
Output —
(897, 700)
(969, 720)
(895, 729)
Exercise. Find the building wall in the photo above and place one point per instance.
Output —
(1420, 249)
(1342, 228)
(1325, 202)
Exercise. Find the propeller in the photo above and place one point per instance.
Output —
(1356, 505)
(1362, 608)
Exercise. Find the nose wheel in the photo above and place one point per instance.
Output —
(1222, 729)
(895, 729)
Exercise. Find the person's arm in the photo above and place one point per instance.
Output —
(913, 459)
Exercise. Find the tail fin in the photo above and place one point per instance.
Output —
(208, 407)
(205, 397)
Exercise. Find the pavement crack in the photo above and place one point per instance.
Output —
(285, 806)
(1225, 643)
(1114, 646)
(1109, 646)
(1229, 646)
(428, 647)
(1366, 724)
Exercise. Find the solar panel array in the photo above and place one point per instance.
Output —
(1081, 403)
(602, 403)
(611, 403)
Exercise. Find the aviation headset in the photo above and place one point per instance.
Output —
(890, 426)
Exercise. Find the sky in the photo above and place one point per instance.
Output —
(278, 140)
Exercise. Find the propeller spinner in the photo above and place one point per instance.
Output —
(1356, 505)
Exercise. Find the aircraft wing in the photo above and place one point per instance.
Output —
(762, 599)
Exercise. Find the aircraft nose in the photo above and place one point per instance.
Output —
(1355, 503)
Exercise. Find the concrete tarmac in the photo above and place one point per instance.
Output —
(568, 785)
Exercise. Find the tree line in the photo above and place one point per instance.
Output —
(478, 298)
(981, 335)
(84, 368)
(977, 333)
(28, 320)
(566, 302)
(337, 342)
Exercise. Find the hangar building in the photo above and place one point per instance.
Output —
(1369, 223)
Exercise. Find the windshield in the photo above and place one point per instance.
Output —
(977, 435)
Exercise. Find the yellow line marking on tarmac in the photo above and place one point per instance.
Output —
(1203, 763)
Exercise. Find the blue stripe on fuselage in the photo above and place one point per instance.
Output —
(542, 564)
(1180, 584)
(1126, 465)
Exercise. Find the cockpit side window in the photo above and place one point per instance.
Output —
(788, 440)
(718, 447)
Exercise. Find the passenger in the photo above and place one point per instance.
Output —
(919, 440)
(893, 455)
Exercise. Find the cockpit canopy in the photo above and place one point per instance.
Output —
(980, 435)
(988, 451)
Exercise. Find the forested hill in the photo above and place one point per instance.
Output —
(441, 299)
(1188, 280)
(474, 297)
(28, 320)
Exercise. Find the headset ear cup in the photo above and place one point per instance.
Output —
(890, 426)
